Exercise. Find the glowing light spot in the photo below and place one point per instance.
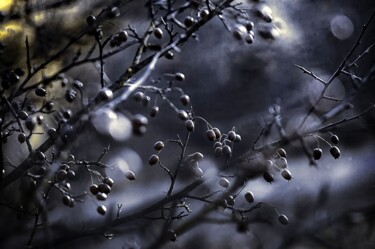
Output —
(5, 5)
(342, 27)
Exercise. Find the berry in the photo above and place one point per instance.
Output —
(104, 188)
(185, 99)
(237, 139)
(210, 134)
(158, 33)
(154, 159)
(101, 210)
(335, 152)
(218, 151)
(189, 21)
(41, 92)
(231, 135)
(249, 26)
(30, 123)
(317, 153)
(182, 115)
(204, 13)
(138, 96)
(159, 145)
(61, 175)
(130, 175)
(283, 219)
(67, 200)
(109, 181)
(154, 111)
(179, 76)
(23, 115)
(146, 100)
(335, 139)
(268, 177)
(223, 182)
(197, 156)
(249, 38)
(249, 196)
(94, 189)
(286, 174)
(189, 124)
(230, 200)
(218, 144)
(227, 151)
(217, 132)
(282, 162)
(172, 236)
(101, 196)
(21, 137)
(91, 19)
(169, 55)
(106, 94)
(281, 152)
(123, 36)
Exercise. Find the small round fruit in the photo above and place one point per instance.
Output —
(94, 189)
(139, 120)
(317, 153)
(67, 200)
(217, 133)
(227, 151)
(30, 123)
(224, 182)
(218, 152)
(101, 196)
(138, 96)
(281, 152)
(249, 25)
(210, 134)
(237, 139)
(249, 196)
(182, 115)
(104, 188)
(61, 175)
(102, 210)
(146, 100)
(158, 33)
(197, 156)
(169, 55)
(123, 36)
(286, 174)
(130, 175)
(159, 145)
(335, 152)
(23, 115)
(109, 181)
(185, 99)
(154, 159)
(189, 21)
(106, 94)
(172, 236)
(230, 200)
(218, 144)
(268, 177)
(335, 139)
(189, 124)
(283, 219)
(154, 111)
(21, 137)
(179, 76)
(282, 162)
(91, 19)
(249, 38)
(41, 92)
(231, 135)
(71, 174)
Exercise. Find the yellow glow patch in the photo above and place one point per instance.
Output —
(9, 29)
(5, 4)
